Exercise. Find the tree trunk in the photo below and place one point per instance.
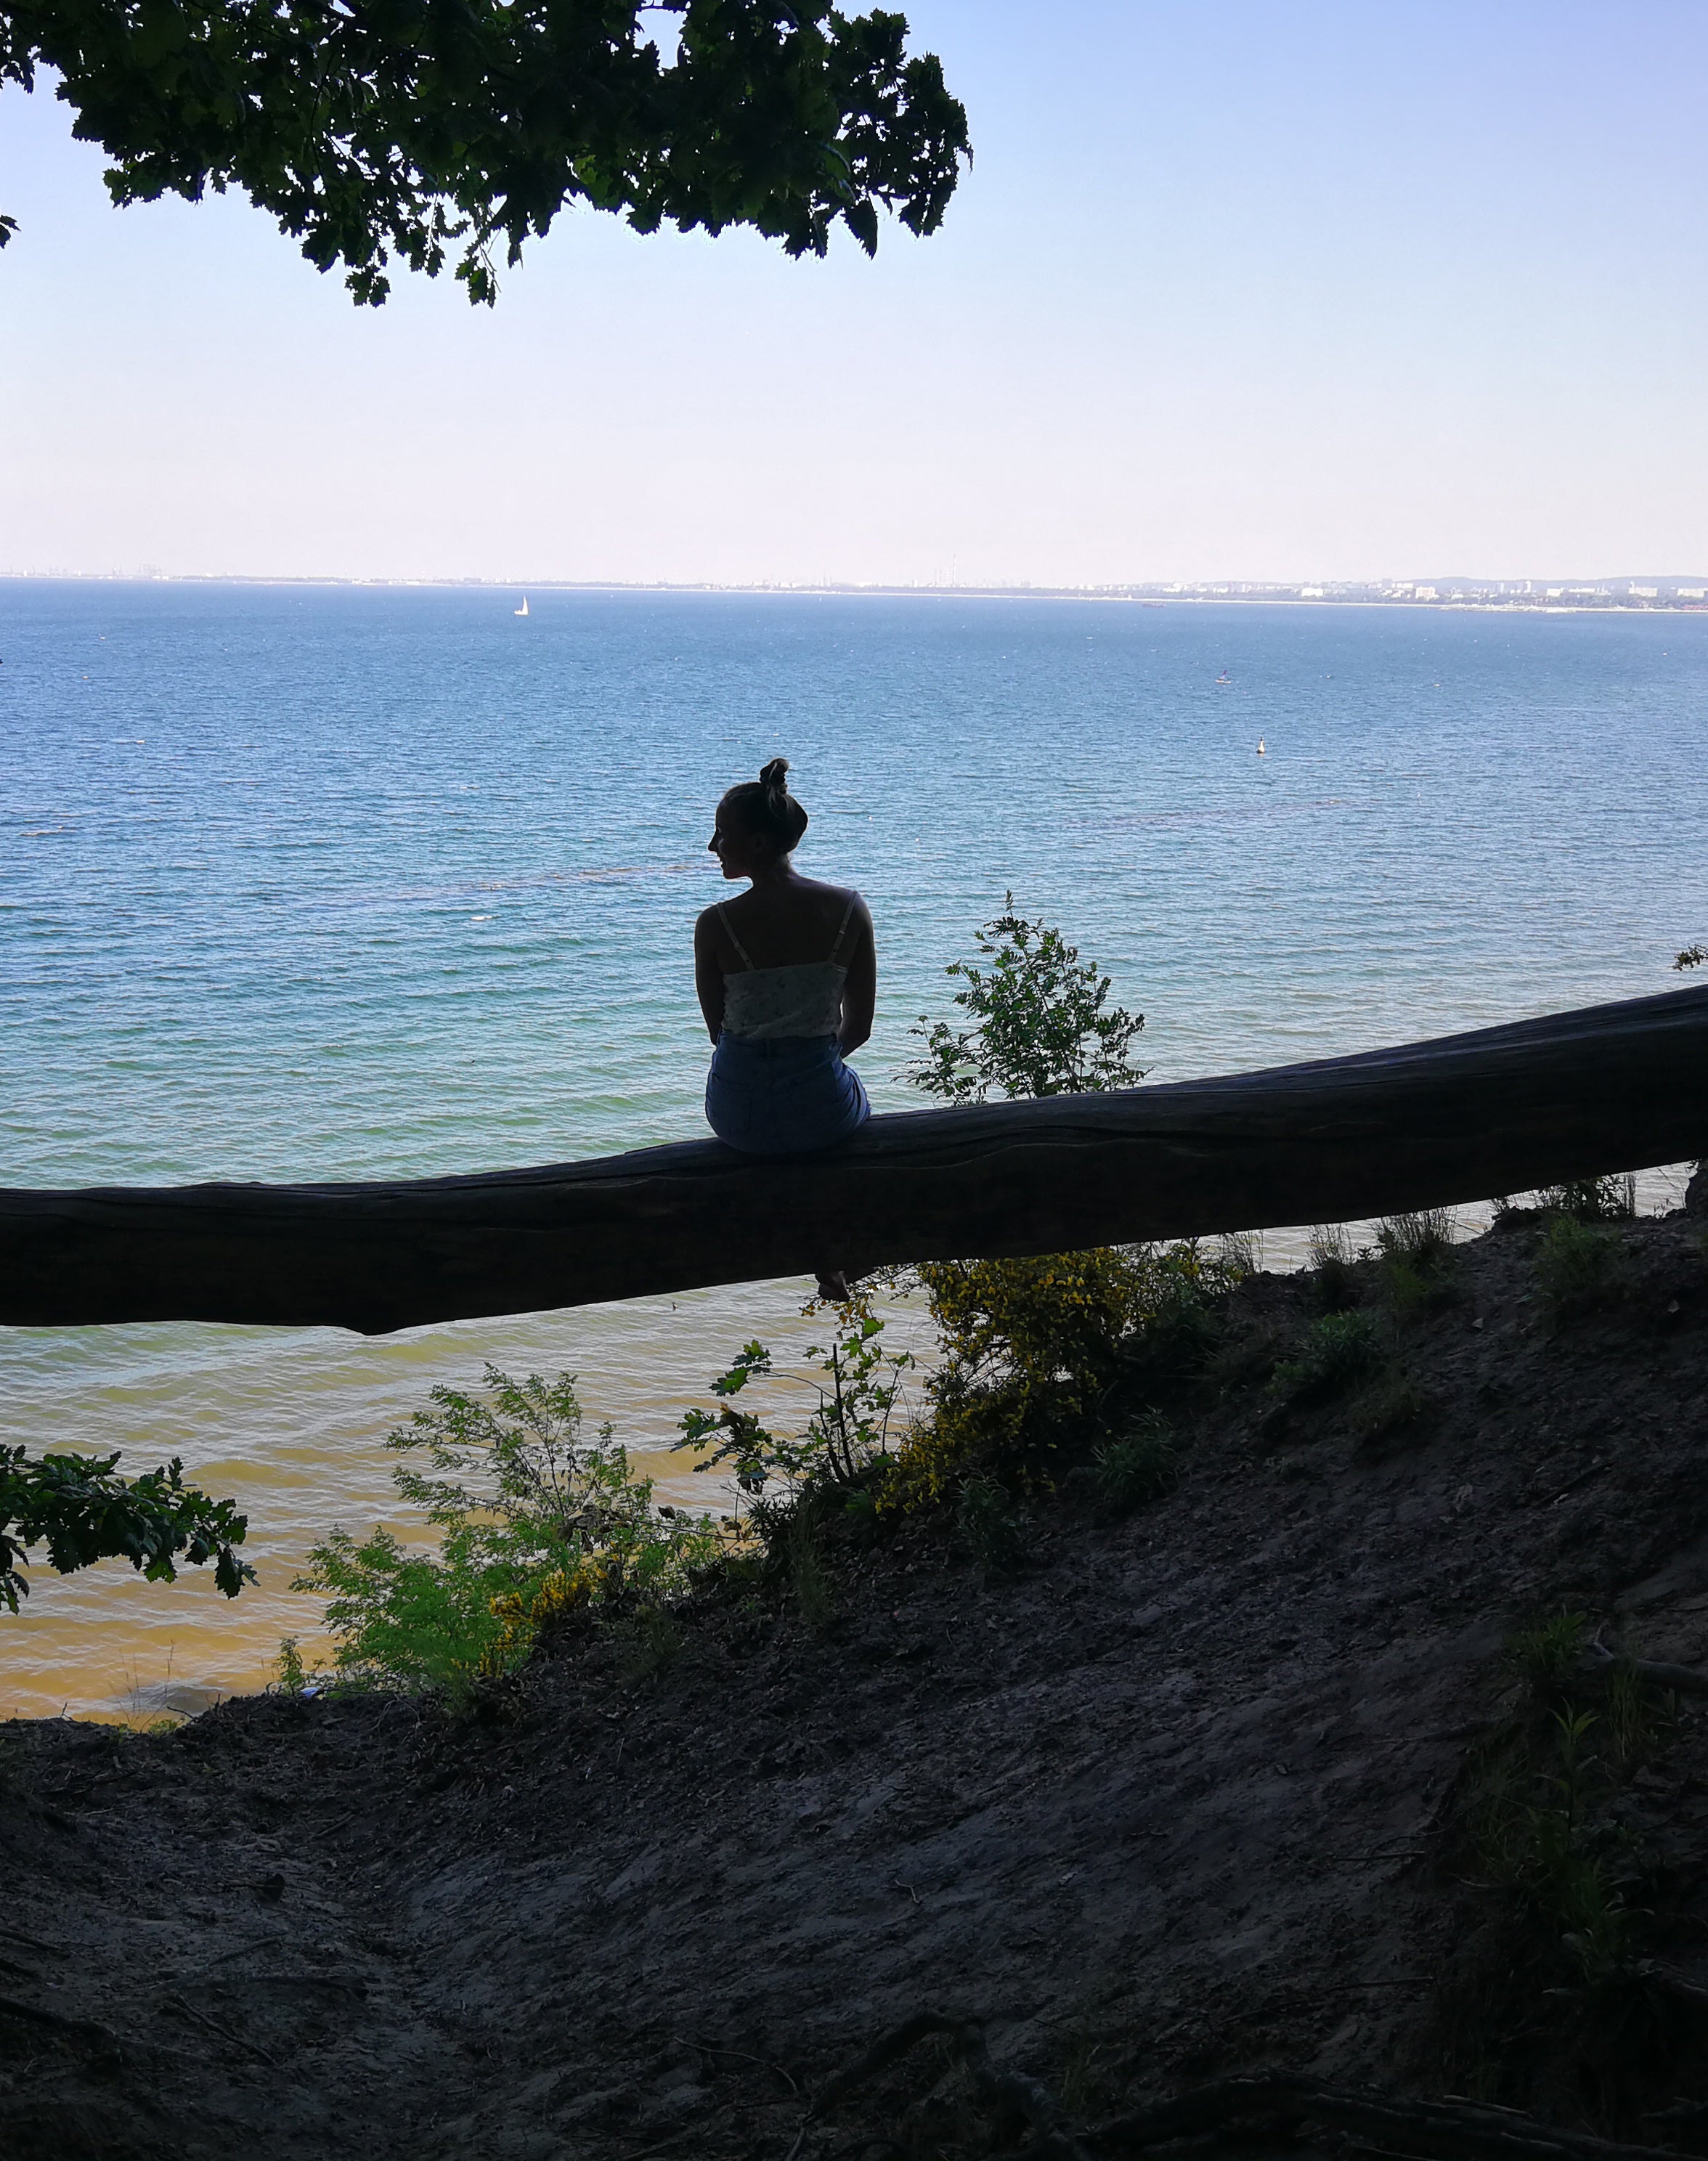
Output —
(1614, 1087)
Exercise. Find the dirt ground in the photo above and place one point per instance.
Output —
(1185, 1798)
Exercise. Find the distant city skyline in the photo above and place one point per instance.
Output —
(1687, 591)
(1244, 296)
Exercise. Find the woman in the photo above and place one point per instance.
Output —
(788, 977)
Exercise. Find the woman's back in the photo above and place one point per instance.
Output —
(794, 999)
(783, 926)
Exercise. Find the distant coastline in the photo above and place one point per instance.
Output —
(1636, 595)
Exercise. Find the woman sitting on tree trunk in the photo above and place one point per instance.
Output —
(788, 977)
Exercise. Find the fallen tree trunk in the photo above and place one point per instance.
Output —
(1614, 1087)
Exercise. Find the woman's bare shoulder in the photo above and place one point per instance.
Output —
(839, 896)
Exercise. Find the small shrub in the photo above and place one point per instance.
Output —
(1610, 1200)
(1032, 1349)
(1134, 1468)
(1544, 1816)
(1339, 1351)
(538, 1525)
(1042, 1024)
(990, 1528)
(1578, 1264)
(861, 1390)
(293, 1675)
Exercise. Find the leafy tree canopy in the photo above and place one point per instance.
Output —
(382, 129)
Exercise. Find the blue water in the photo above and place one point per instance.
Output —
(311, 882)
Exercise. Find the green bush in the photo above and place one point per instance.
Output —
(1041, 1022)
(82, 1511)
(537, 1525)
(1031, 1349)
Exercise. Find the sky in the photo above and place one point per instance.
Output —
(1234, 288)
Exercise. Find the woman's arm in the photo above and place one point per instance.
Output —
(860, 991)
(708, 977)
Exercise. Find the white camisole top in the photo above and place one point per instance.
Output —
(764, 1005)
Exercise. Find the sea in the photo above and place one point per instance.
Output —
(364, 882)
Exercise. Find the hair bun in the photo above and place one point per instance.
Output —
(765, 806)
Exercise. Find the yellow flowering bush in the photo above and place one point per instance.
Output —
(1032, 1346)
(522, 1614)
(536, 1524)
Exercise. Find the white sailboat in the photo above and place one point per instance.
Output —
(523, 610)
(1261, 752)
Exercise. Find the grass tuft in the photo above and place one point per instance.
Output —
(1416, 1260)
(649, 1644)
(1578, 1264)
(1333, 1258)
(1611, 1200)
(1339, 1350)
(1394, 1401)
(1134, 1468)
(1546, 1653)
(808, 1577)
(990, 1527)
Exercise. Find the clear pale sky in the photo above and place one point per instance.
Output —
(1261, 289)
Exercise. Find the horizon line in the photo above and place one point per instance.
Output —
(1436, 589)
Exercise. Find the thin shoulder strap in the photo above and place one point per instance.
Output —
(747, 960)
(842, 926)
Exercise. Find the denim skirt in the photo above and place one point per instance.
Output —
(784, 1097)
